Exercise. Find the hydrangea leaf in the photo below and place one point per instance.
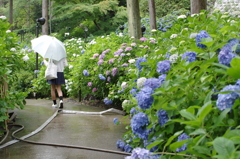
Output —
(224, 146)
(234, 70)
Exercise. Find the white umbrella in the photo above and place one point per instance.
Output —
(49, 47)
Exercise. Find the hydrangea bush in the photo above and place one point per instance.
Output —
(10, 64)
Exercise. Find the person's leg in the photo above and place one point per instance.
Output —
(53, 94)
(60, 94)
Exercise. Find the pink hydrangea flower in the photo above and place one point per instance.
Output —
(114, 71)
(94, 89)
(143, 39)
(89, 84)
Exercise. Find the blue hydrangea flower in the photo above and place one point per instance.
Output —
(226, 55)
(139, 153)
(162, 117)
(107, 101)
(153, 83)
(139, 124)
(199, 37)
(238, 82)
(139, 61)
(182, 137)
(82, 51)
(115, 120)
(102, 77)
(227, 100)
(163, 66)
(133, 91)
(162, 78)
(189, 56)
(144, 98)
(85, 73)
(127, 148)
(120, 144)
(133, 110)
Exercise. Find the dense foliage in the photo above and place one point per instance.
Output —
(9, 65)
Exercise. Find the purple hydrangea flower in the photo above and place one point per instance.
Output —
(227, 100)
(111, 61)
(163, 66)
(162, 117)
(142, 39)
(118, 52)
(114, 71)
(109, 79)
(225, 56)
(125, 65)
(101, 56)
(139, 61)
(89, 84)
(199, 37)
(100, 62)
(189, 56)
(106, 51)
(94, 90)
(139, 123)
(102, 77)
(108, 72)
(153, 83)
(182, 137)
(85, 73)
(107, 101)
(122, 54)
(144, 98)
(128, 49)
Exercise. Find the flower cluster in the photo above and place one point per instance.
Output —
(139, 61)
(182, 137)
(139, 124)
(153, 83)
(107, 101)
(163, 66)
(162, 117)
(189, 56)
(125, 147)
(101, 77)
(227, 100)
(226, 54)
(85, 73)
(145, 98)
(199, 37)
(140, 153)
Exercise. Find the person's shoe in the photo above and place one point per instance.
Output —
(54, 105)
(61, 104)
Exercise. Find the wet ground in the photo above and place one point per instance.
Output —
(96, 131)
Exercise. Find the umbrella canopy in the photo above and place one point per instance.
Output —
(49, 47)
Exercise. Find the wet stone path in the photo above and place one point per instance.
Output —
(97, 131)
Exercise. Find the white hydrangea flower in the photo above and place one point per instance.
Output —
(70, 66)
(131, 60)
(8, 31)
(124, 85)
(3, 17)
(153, 30)
(181, 42)
(173, 58)
(25, 58)
(125, 103)
(193, 35)
(140, 82)
(173, 36)
(181, 17)
(13, 49)
(120, 34)
(66, 34)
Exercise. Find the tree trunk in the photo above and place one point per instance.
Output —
(152, 12)
(134, 24)
(45, 15)
(11, 13)
(198, 5)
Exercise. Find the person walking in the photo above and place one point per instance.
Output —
(56, 84)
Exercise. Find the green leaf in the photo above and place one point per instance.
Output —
(198, 132)
(187, 114)
(155, 143)
(234, 70)
(223, 146)
(172, 137)
(221, 117)
(204, 111)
